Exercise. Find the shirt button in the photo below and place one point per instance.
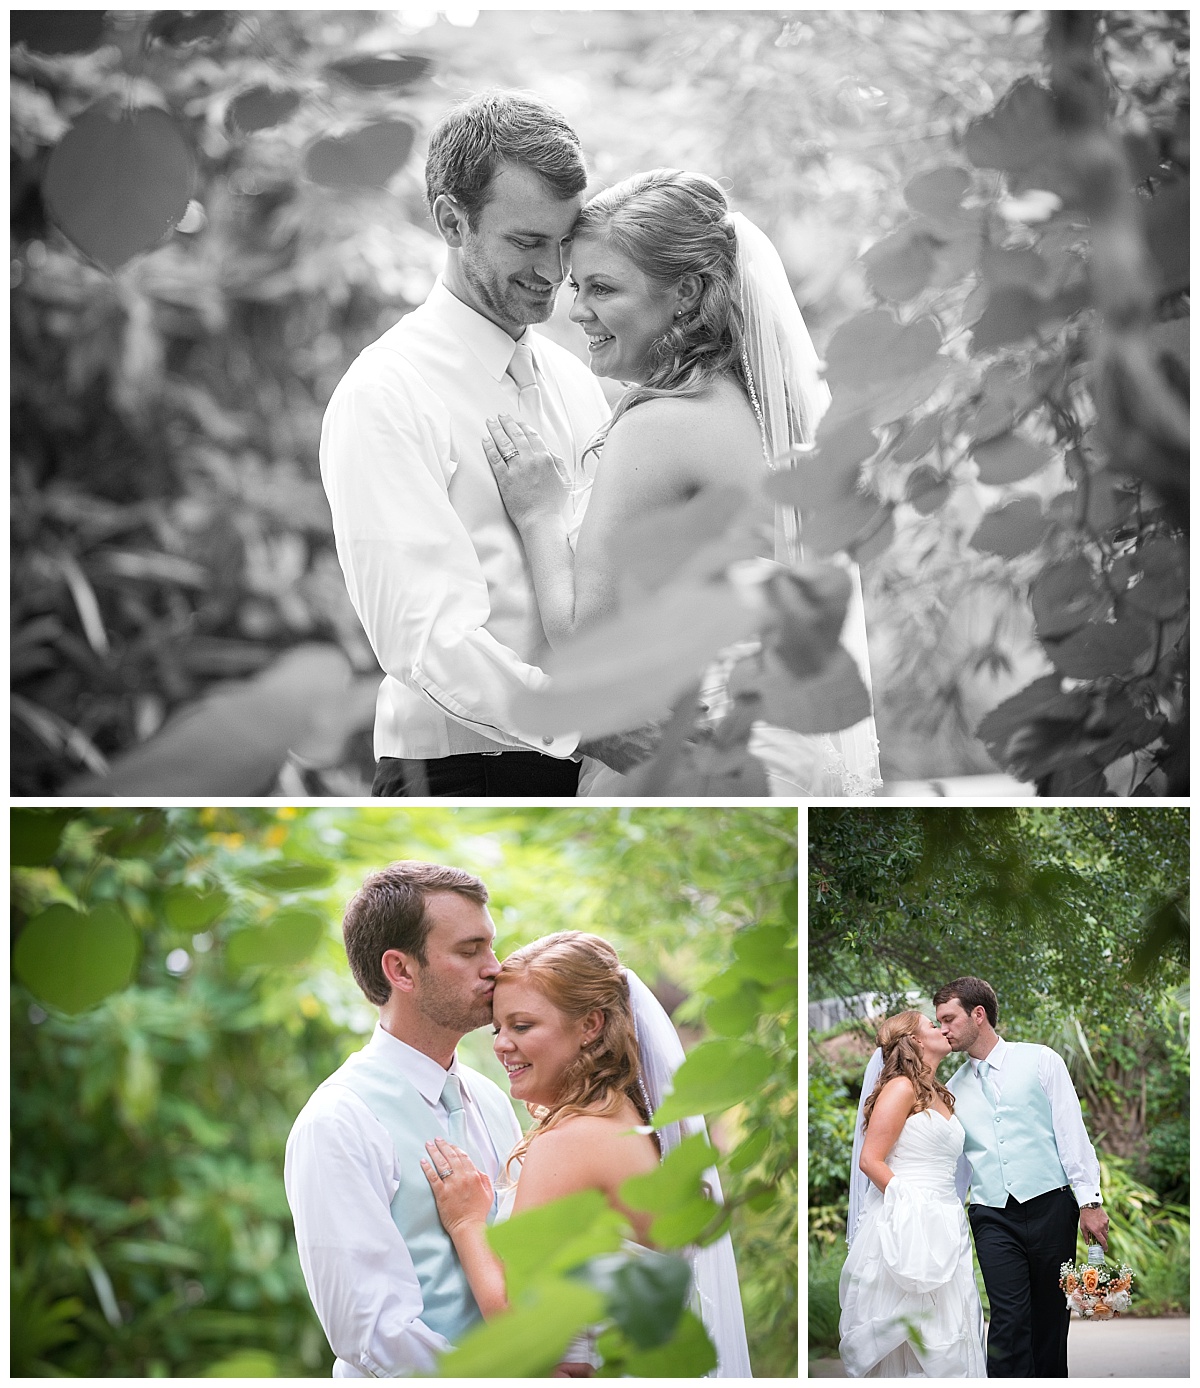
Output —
(546, 741)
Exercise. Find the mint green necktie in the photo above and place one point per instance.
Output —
(986, 1084)
(453, 1104)
(533, 406)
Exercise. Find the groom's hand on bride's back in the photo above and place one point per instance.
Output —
(624, 751)
(573, 1371)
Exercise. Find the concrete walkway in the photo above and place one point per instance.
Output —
(1131, 1347)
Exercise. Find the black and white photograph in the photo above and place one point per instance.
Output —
(611, 404)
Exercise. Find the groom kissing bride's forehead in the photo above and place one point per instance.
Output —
(403, 1156)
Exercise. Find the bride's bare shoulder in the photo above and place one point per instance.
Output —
(718, 421)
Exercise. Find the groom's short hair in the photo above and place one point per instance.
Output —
(972, 992)
(388, 912)
(473, 139)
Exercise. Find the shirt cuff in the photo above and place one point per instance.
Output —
(1085, 1195)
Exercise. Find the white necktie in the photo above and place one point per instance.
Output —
(535, 407)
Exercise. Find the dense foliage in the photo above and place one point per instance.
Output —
(180, 989)
(172, 546)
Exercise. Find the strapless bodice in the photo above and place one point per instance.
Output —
(927, 1151)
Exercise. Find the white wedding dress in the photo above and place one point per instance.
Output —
(909, 1304)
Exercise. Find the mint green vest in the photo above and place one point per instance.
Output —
(1012, 1148)
(449, 1307)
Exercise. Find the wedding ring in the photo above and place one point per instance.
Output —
(508, 457)
(445, 1174)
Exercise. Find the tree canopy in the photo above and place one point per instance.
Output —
(1055, 907)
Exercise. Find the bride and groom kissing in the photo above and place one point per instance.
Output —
(403, 1156)
(1008, 1124)
(481, 486)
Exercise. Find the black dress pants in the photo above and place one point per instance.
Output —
(478, 774)
(1020, 1249)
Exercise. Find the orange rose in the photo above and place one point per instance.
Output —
(1103, 1311)
(1091, 1279)
(1072, 1282)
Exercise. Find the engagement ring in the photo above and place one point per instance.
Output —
(508, 457)
(445, 1174)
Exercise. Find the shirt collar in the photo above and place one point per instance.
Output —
(419, 1069)
(995, 1057)
(491, 344)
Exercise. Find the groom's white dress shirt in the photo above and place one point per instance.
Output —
(340, 1173)
(1075, 1149)
(435, 569)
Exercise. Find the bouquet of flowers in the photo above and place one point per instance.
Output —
(1098, 1290)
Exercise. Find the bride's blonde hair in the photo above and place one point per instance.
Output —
(580, 973)
(902, 1055)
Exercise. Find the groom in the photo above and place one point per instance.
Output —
(434, 567)
(381, 1272)
(1034, 1180)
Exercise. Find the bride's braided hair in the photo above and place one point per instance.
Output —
(902, 1055)
(580, 973)
(671, 223)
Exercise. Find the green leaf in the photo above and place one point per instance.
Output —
(259, 108)
(746, 1153)
(841, 527)
(1013, 313)
(921, 439)
(245, 1363)
(626, 671)
(527, 1340)
(531, 1241)
(188, 908)
(34, 835)
(830, 477)
(737, 1013)
(926, 489)
(766, 953)
(1157, 577)
(1066, 596)
(287, 939)
(714, 1076)
(811, 601)
(938, 193)
(1010, 530)
(117, 187)
(236, 739)
(56, 31)
(648, 1296)
(368, 158)
(874, 346)
(291, 876)
(834, 699)
(381, 72)
(689, 1354)
(901, 265)
(71, 961)
(678, 1228)
(1016, 133)
(674, 1184)
(1102, 648)
(1008, 458)
(142, 837)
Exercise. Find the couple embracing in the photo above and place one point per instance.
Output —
(480, 485)
(1009, 1125)
(402, 1158)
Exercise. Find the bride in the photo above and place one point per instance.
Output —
(691, 307)
(909, 1304)
(590, 1051)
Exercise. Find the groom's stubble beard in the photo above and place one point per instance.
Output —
(444, 1004)
(501, 299)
